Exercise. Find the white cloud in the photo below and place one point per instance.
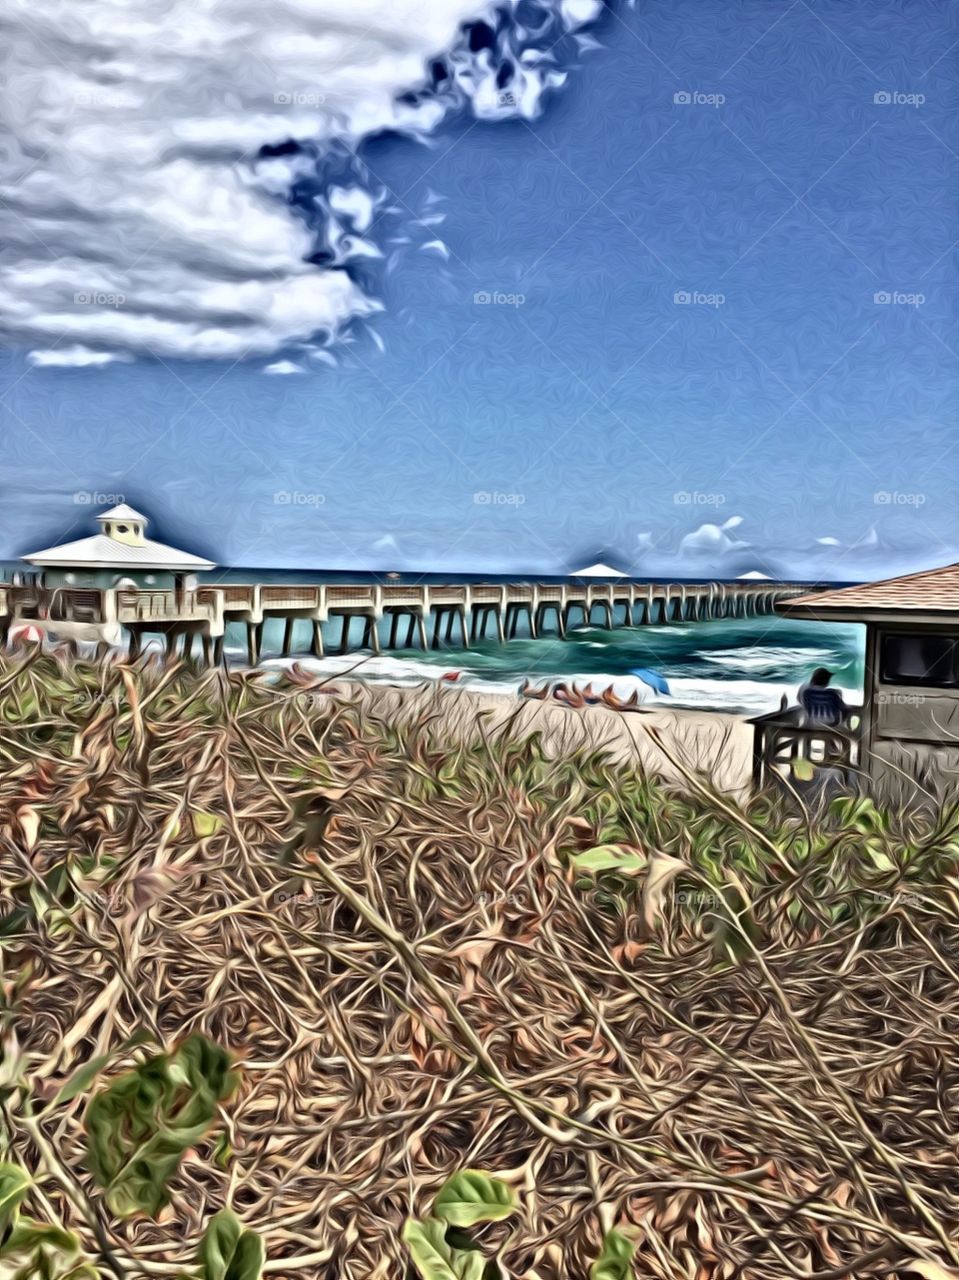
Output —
(829, 542)
(713, 539)
(281, 368)
(135, 214)
(75, 357)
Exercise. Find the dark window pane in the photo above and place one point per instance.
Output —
(914, 658)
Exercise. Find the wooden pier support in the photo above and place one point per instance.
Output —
(316, 647)
(551, 606)
(445, 618)
(513, 612)
(254, 640)
(288, 637)
(371, 637)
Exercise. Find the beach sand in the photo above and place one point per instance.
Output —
(715, 744)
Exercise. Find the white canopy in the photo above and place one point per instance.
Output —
(598, 570)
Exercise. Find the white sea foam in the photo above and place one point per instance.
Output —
(748, 697)
(766, 657)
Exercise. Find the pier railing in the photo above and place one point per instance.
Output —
(165, 606)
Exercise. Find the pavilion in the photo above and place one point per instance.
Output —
(120, 554)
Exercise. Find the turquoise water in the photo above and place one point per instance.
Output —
(741, 665)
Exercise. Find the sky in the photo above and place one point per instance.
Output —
(356, 285)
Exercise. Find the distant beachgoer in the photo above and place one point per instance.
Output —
(821, 704)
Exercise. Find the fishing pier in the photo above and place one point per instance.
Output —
(345, 618)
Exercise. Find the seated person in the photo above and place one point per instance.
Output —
(821, 704)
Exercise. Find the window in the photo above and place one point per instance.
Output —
(122, 528)
(920, 658)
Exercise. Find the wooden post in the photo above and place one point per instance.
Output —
(411, 630)
(461, 614)
(500, 626)
(371, 639)
(316, 648)
(205, 641)
(421, 628)
(254, 641)
(394, 623)
(218, 651)
(288, 637)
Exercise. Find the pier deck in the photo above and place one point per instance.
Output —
(416, 616)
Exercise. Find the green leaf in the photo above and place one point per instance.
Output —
(40, 1251)
(205, 824)
(222, 1151)
(614, 1263)
(433, 1256)
(14, 1185)
(139, 1127)
(623, 858)
(84, 1076)
(472, 1196)
(229, 1251)
(803, 770)
(27, 1237)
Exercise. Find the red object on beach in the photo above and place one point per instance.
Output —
(451, 676)
(26, 633)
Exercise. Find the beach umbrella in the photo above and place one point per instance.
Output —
(655, 681)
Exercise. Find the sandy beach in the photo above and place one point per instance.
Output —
(715, 744)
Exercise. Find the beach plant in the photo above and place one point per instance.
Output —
(30, 1249)
(384, 904)
(140, 1126)
(439, 1246)
(230, 1251)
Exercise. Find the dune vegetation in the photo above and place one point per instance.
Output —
(302, 983)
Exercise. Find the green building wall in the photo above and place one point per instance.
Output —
(105, 578)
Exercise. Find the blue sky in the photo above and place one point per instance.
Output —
(720, 334)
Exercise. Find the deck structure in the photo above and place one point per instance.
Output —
(903, 741)
(413, 616)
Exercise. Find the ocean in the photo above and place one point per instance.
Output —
(738, 665)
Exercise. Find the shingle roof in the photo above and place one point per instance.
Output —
(102, 552)
(932, 591)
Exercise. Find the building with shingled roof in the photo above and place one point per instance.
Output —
(907, 735)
